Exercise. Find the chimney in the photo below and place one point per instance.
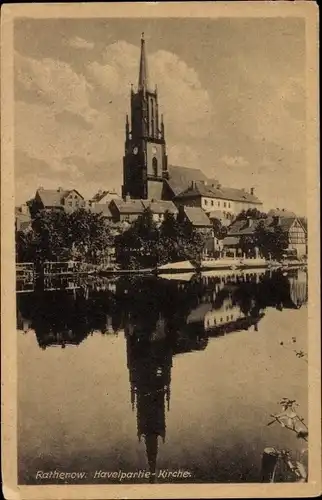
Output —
(252, 190)
(40, 188)
(218, 186)
(127, 198)
(60, 189)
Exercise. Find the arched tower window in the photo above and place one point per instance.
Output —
(155, 167)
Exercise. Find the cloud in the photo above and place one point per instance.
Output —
(80, 43)
(186, 105)
(234, 161)
(81, 115)
(242, 120)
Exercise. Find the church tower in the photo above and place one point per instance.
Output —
(145, 161)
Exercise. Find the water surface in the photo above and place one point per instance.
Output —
(159, 374)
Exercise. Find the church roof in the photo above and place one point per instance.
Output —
(180, 178)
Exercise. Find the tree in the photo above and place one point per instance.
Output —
(272, 241)
(145, 244)
(60, 236)
(247, 244)
(220, 231)
(252, 213)
(138, 247)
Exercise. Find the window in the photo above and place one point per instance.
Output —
(218, 203)
(224, 204)
(212, 203)
(155, 167)
(205, 202)
(228, 205)
(70, 203)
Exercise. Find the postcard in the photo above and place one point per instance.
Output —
(160, 250)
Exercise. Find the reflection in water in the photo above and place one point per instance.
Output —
(161, 318)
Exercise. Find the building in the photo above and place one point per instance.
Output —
(199, 220)
(146, 173)
(292, 226)
(145, 162)
(60, 199)
(130, 209)
(22, 218)
(104, 197)
(213, 197)
(101, 209)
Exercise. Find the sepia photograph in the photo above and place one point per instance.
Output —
(162, 199)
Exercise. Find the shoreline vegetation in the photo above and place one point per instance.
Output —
(86, 242)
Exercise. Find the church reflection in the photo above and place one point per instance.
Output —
(160, 319)
(149, 363)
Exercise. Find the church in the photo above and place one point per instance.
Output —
(147, 174)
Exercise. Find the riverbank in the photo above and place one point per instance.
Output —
(28, 273)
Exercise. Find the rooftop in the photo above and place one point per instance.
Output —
(203, 188)
(132, 206)
(248, 226)
(197, 216)
(181, 177)
(54, 197)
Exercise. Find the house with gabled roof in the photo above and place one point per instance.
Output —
(58, 199)
(104, 197)
(292, 226)
(130, 209)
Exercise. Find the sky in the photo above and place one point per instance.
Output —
(232, 91)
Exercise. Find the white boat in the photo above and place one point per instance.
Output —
(257, 262)
(177, 276)
(231, 263)
(184, 265)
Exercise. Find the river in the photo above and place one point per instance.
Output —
(180, 373)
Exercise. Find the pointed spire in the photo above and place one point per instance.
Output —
(143, 75)
(162, 127)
